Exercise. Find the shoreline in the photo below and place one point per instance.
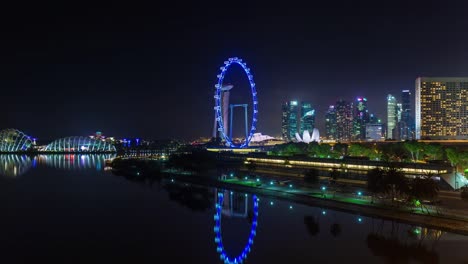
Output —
(443, 223)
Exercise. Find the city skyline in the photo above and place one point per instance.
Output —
(149, 73)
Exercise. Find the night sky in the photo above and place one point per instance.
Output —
(149, 71)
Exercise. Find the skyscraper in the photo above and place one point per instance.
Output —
(289, 120)
(360, 118)
(344, 120)
(307, 121)
(391, 115)
(374, 132)
(330, 122)
(441, 107)
(406, 122)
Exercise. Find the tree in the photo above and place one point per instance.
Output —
(454, 156)
(251, 167)
(319, 150)
(358, 150)
(375, 182)
(334, 174)
(393, 152)
(423, 188)
(311, 176)
(295, 148)
(339, 150)
(414, 147)
(396, 183)
(433, 151)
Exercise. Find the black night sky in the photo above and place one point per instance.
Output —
(149, 71)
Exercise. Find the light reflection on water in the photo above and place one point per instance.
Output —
(75, 161)
(14, 165)
(286, 232)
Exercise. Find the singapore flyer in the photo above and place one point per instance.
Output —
(222, 105)
(218, 236)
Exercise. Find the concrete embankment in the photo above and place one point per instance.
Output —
(441, 222)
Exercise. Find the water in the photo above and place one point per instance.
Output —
(70, 209)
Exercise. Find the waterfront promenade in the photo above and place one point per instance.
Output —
(444, 217)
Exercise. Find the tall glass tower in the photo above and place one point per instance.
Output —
(344, 120)
(406, 123)
(360, 118)
(307, 117)
(330, 122)
(289, 120)
(391, 115)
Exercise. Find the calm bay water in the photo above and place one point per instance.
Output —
(70, 209)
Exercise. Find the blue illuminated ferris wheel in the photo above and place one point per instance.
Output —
(221, 107)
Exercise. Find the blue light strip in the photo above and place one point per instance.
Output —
(217, 97)
(218, 238)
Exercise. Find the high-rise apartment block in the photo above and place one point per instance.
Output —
(441, 107)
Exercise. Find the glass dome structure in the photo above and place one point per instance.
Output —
(79, 144)
(13, 140)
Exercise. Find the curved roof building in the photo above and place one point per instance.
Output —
(13, 140)
(79, 144)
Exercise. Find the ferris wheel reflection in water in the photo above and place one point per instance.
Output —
(233, 204)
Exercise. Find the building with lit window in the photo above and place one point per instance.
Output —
(392, 116)
(290, 115)
(307, 121)
(441, 107)
(360, 118)
(374, 132)
(330, 123)
(344, 120)
(406, 123)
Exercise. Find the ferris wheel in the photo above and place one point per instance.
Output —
(222, 105)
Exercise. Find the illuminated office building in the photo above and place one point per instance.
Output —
(360, 118)
(406, 123)
(344, 120)
(289, 120)
(307, 121)
(330, 122)
(374, 132)
(392, 115)
(441, 108)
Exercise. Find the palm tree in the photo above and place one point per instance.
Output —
(414, 147)
(433, 151)
(454, 156)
